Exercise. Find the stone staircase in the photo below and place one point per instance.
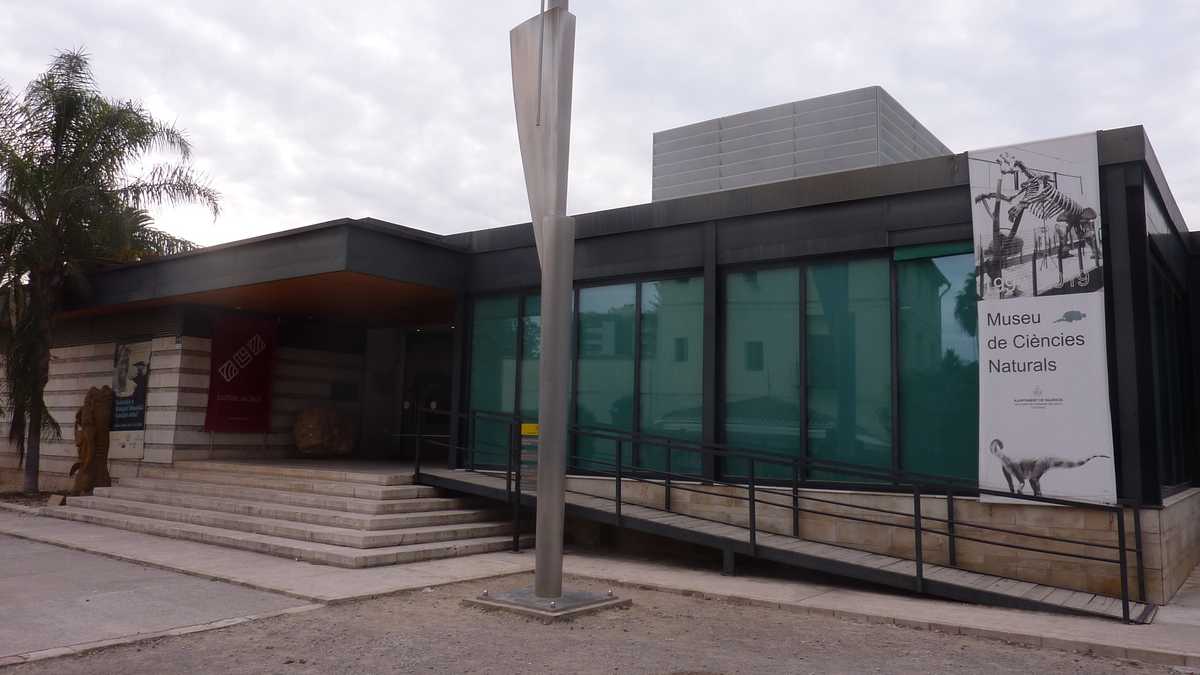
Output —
(315, 512)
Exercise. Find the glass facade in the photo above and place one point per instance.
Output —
(849, 365)
(493, 374)
(806, 368)
(762, 366)
(640, 369)
(939, 365)
(1169, 349)
(604, 381)
(531, 352)
(670, 373)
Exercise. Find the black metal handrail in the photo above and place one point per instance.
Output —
(917, 484)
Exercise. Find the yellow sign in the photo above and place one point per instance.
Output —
(528, 429)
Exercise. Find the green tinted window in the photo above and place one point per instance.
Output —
(493, 374)
(849, 364)
(531, 352)
(762, 366)
(604, 390)
(939, 366)
(671, 373)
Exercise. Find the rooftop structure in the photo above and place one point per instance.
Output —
(848, 130)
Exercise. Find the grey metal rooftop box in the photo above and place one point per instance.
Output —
(847, 130)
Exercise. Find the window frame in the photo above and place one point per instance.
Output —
(468, 354)
(577, 335)
(801, 264)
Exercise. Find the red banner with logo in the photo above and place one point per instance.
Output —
(239, 381)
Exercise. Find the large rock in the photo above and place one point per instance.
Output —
(323, 431)
(91, 440)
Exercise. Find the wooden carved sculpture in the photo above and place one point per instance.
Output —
(91, 438)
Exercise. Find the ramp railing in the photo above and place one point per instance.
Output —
(492, 444)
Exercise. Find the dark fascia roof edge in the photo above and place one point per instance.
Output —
(368, 223)
(932, 173)
(1116, 146)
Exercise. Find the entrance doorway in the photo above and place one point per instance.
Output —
(427, 360)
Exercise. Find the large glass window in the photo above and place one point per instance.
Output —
(652, 382)
(604, 389)
(1169, 347)
(762, 366)
(939, 364)
(531, 354)
(671, 373)
(493, 374)
(849, 364)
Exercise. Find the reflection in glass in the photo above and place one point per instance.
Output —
(939, 366)
(671, 372)
(849, 362)
(762, 366)
(493, 374)
(531, 352)
(604, 391)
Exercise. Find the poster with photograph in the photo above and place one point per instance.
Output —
(131, 380)
(1044, 422)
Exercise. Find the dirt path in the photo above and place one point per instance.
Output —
(431, 632)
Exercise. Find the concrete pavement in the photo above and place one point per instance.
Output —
(1174, 638)
(52, 597)
(306, 581)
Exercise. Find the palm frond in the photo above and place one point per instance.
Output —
(171, 184)
(69, 204)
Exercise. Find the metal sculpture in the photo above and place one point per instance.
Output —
(543, 56)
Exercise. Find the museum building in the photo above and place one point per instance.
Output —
(813, 297)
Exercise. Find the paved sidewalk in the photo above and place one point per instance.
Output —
(306, 581)
(1170, 640)
(52, 598)
(1174, 638)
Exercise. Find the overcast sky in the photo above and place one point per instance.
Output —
(402, 110)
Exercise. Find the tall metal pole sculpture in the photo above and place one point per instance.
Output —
(543, 57)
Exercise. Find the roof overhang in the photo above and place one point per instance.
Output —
(347, 268)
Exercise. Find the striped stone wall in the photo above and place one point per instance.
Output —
(302, 378)
(176, 403)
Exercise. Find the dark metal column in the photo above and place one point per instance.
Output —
(458, 376)
(1124, 240)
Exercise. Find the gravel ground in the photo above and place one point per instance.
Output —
(431, 632)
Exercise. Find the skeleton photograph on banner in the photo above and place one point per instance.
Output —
(1041, 218)
(1045, 427)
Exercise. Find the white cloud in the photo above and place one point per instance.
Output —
(305, 112)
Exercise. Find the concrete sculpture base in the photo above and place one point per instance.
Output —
(568, 606)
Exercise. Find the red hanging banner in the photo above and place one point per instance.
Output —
(239, 380)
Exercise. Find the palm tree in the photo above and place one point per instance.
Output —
(71, 200)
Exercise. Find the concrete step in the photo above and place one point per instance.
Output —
(337, 536)
(309, 499)
(242, 505)
(322, 487)
(313, 552)
(311, 469)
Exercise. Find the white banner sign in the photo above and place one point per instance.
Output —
(1044, 422)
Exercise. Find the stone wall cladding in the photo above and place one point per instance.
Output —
(1180, 524)
(302, 378)
(176, 403)
(1178, 548)
(73, 370)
